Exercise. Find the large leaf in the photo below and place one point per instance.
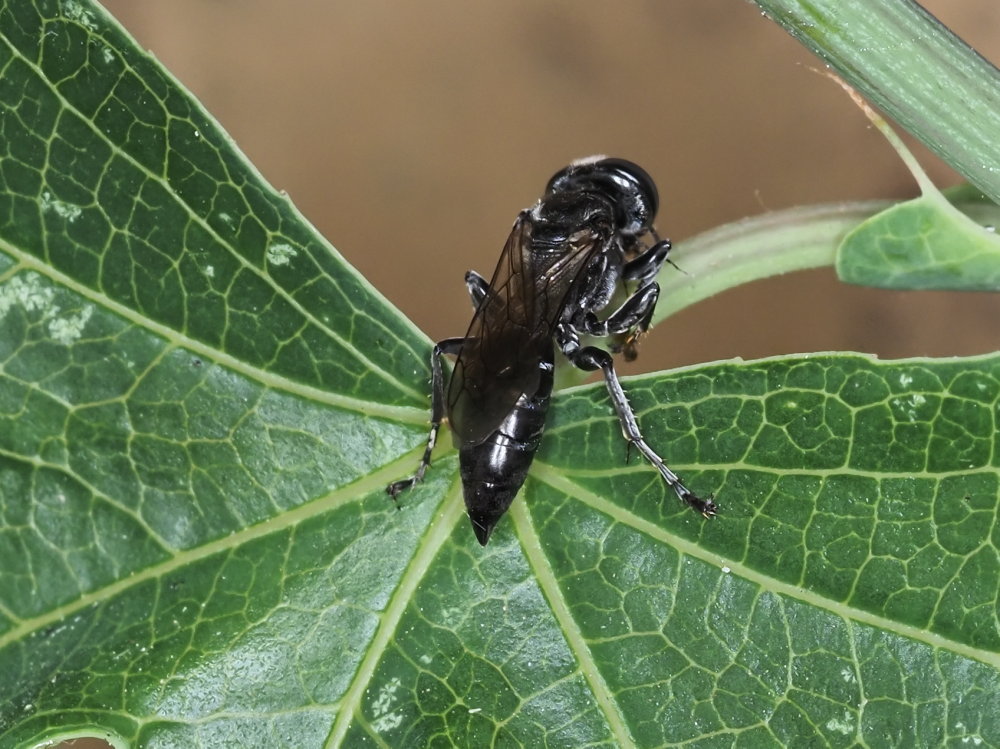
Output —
(201, 404)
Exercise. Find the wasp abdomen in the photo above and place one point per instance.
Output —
(494, 470)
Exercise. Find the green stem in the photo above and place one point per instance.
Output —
(910, 65)
(767, 245)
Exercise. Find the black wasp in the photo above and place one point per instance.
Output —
(560, 267)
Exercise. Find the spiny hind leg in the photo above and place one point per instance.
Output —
(590, 358)
(441, 348)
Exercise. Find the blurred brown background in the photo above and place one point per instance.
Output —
(410, 134)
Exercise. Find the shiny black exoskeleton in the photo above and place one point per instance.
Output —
(560, 267)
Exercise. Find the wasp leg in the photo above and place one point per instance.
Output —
(478, 287)
(648, 264)
(632, 318)
(447, 346)
(590, 358)
(636, 312)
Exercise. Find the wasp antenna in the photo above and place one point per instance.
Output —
(677, 267)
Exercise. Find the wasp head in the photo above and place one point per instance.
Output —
(627, 186)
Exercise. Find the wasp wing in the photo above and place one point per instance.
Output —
(511, 331)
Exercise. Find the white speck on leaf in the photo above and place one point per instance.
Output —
(451, 616)
(75, 12)
(281, 254)
(913, 402)
(66, 330)
(68, 211)
(844, 726)
(29, 293)
(26, 291)
(385, 719)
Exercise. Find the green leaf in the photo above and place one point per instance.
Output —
(924, 243)
(201, 405)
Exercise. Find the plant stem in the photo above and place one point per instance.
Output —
(767, 245)
(914, 68)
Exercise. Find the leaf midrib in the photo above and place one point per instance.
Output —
(426, 551)
(373, 482)
(576, 641)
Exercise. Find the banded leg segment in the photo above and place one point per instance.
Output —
(441, 348)
(590, 358)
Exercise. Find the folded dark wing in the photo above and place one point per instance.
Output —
(511, 331)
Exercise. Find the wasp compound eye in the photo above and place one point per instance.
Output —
(635, 181)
